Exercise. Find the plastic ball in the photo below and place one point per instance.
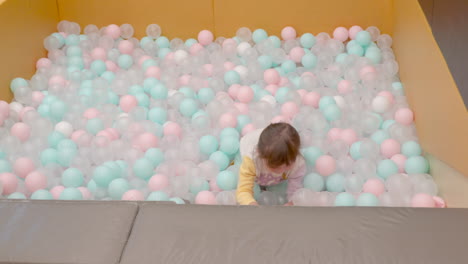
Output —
(271, 76)
(221, 159)
(177, 200)
(345, 199)
(363, 38)
(208, 144)
(325, 165)
(416, 164)
(314, 181)
(172, 128)
(226, 180)
(113, 31)
(206, 95)
(400, 161)
(335, 182)
(390, 147)
(205, 37)
(23, 166)
(411, 148)
(102, 176)
(232, 77)
(9, 182)
(125, 61)
(56, 191)
(205, 197)
(367, 199)
(340, 34)
(355, 150)
(374, 186)
(404, 116)
(35, 181)
(143, 168)
(158, 182)
(117, 188)
(380, 104)
(289, 109)
(16, 195)
(72, 177)
(349, 136)
(259, 35)
(332, 112)
(311, 154)
(386, 168)
(158, 196)
(422, 200)
(21, 130)
(353, 31)
(49, 156)
(188, 107)
(288, 33)
(228, 120)
(133, 195)
(42, 195)
(245, 94)
(229, 145)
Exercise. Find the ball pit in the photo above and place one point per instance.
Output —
(107, 116)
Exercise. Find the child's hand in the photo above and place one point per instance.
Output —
(289, 204)
(253, 203)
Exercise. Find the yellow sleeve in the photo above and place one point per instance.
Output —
(246, 182)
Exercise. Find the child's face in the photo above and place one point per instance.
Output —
(281, 169)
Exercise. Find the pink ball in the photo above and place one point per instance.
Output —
(205, 37)
(133, 195)
(288, 33)
(245, 94)
(169, 56)
(243, 108)
(344, 87)
(234, 90)
(283, 81)
(9, 182)
(43, 63)
(272, 88)
(374, 186)
(128, 102)
(153, 71)
(340, 34)
(296, 54)
(77, 134)
(142, 59)
(227, 120)
(85, 192)
(334, 134)
(172, 128)
(25, 110)
(205, 197)
(99, 141)
(325, 165)
(23, 166)
(289, 109)
(99, 54)
(271, 76)
(37, 97)
(56, 191)
(280, 119)
(229, 66)
(91, 113)
(353, 31)
(111, 66)
(35, 181)
(399, 160)
(349, 136)
(195, 48)
(208, 69)
(390, 147)
(214, 186)
(113, 31)
(311, 99)
(57, 79)
(146, 141)
(439, 202)
(113, 132)
(4, 109)
(158, 182)
(368, 73)
(21, 130)
(247, 129)
(302, 93)
(389, 96)
(422, 200)
(185, 79)
(126, 47)
(404, 116)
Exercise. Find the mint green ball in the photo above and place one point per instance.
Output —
(307, 40)
(206, 95)
(67, 144)
(157, 115)
(208, 144)
(54, 138)
(143, 100)
(2, 154)
(226, 180)
(367, 199)
(42, 195)
(92, 186)
(411, 148)
(309, 61)
(198, 186)
(363, 38)
(16, 195)
(162, 53)
(117, 171)
(102, 176)
(144, 40)
(59, 37)
(281, 94)
(112, 98)
(288, 66)
(72, 40)
(311, 154)
(356, 50)
(417, 165)
(335, 182)
(143, 168)
(149, 83)
(163, 42)
(44, 110)
(275, 40)
(242, 120)
(229, 131)
(71, 194)
(148, 63)
(98, 67)
(345, 199)
(94, 125)
(221, 159)
(314, 182)
(332, 112)
(74, 51)
(398, 87)
(57, 110)
(325, 101)
(159, 196)
(259, 35)
(380, 136)
(229, 145)
(72, 177)
(260, 94)
(265, 61)
(387, 124)
(117, 188)
(76, 62)
(386, 168)
(374, 54)
(351, 43)
(159, 92)
(188, 92)
(355, 150)
(49, 156)
(231, 77)
(177, 200)
(341, 58)
(189, 42)
(188, 107)
(135, 89)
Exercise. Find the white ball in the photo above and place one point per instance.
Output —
(242, 47)
(242, 70)
(16, 106)
(380, 104)
(171, 92)
(180, 56)
(64, 128)
(340, 101)
(269, 99)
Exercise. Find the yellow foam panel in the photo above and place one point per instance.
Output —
(23, 26)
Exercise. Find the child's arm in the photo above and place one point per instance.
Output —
(296, 178)
(246, 183)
